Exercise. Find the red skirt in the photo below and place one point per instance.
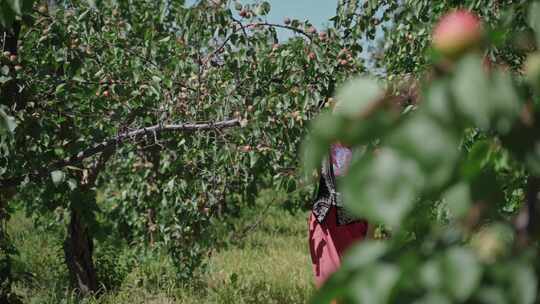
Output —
(328, 242)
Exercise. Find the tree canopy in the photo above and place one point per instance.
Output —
(148, 121)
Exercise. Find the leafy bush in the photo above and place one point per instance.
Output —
(470, 144)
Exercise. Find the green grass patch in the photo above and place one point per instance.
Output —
(265, 259)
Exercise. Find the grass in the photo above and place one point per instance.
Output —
(269, 264)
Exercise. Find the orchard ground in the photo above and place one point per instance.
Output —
(269, 263)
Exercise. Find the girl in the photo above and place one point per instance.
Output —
(331, 229)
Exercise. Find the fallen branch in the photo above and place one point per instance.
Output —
(116, 141)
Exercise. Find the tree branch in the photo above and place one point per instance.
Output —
(98, 167)
(287, 27)
(251, 25)
(116, 141)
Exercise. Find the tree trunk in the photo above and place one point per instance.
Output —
(79, 246)
(78, 249)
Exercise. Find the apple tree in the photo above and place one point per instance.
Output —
(146, 121)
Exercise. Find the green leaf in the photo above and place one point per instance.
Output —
(331, 290)
(16, 6)
(93, 3)
(434, 297)
(487, 102)
(60, 88)
(431, 144)
(83, 15)
(4, 79)
(166, 39)
(487, 187)
(462, 272)
(375, 284)
(72, 184)
(476, 159)
(263, 8)
(59, 151)
(328, 127)
(8, 122)
(430, 274)
(136, 76)
(438, 103)
(363, 254)
(313, 152)
(78, 79)
(325, 129)
(382, 188)
(253, 158)
(491, 295)
(534, 19)
(458, 199)
(5, 70)
(523, 284)
(532, 159)
(7, 16)
(505, 101)
(357, 96)
(471, 89)
(58, 176)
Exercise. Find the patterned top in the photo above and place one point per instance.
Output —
(327, 196)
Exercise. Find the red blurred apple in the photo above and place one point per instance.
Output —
(457, 33)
